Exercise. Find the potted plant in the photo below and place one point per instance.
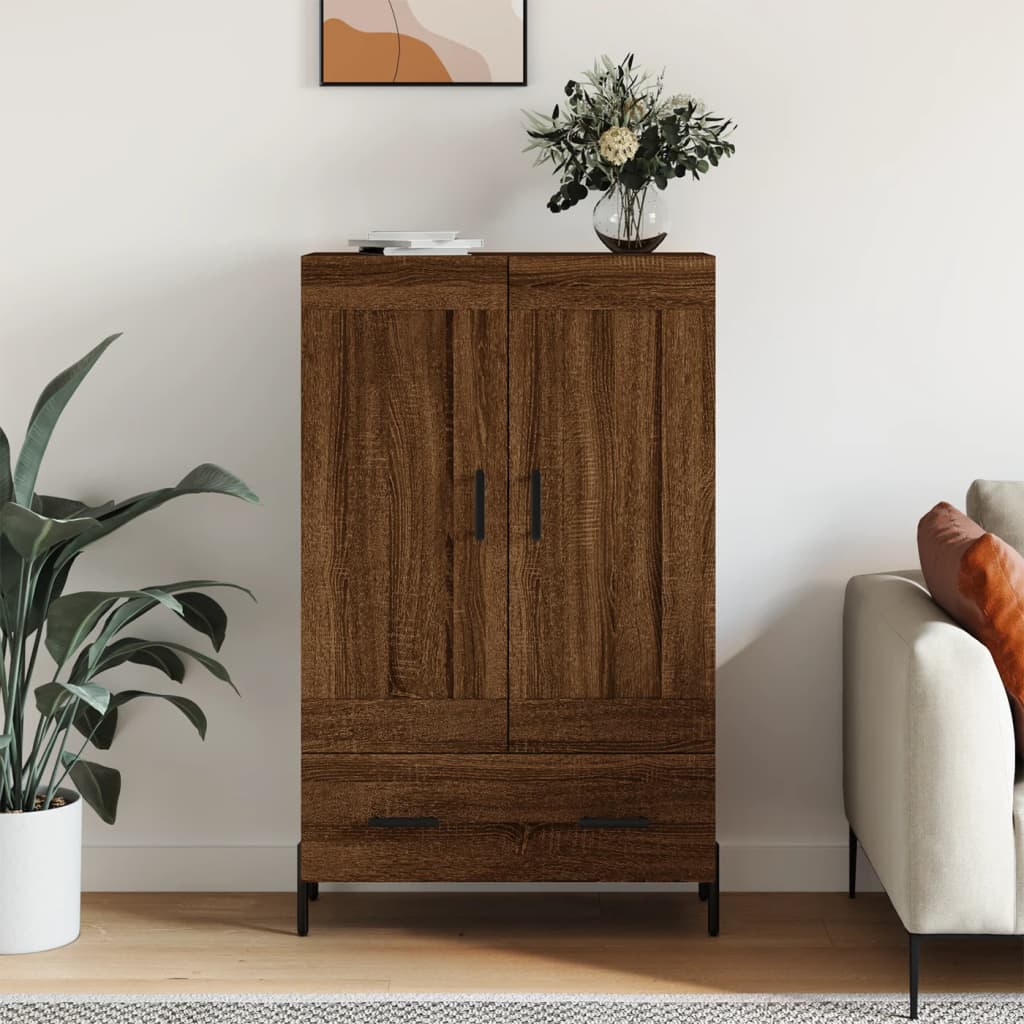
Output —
(44, 775)
(616, 133)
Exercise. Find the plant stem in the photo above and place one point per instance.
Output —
(60, 754)
(63, 725)
(64, 775)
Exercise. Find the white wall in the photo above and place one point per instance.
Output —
(163, 166)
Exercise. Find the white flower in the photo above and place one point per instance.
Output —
(618, 145)
(684, 99)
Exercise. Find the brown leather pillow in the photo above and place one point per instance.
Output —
(978, 580)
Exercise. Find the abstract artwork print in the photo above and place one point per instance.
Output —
(423, 42)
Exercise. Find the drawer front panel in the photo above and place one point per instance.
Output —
(528, 817)
(513, 853)
(340, 791)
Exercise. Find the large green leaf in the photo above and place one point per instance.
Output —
(189, 708)
(204, 614)
(129, 647)
(6, 480)
(51, 697)
(132, 609)
(100, 729)
(99, 786)
(152, 653)
(33, 535)
(50, 583)
(204, 479)
(52, 401)
(67, 508)
(73, 617)
(10, 570)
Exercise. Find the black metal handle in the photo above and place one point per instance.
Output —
(479, 506)
(403, 823)
(535, 505)
(613, 823)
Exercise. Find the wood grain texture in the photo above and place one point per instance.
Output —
(352, 281)
(400, 602)
(417, 674)
(612, 399)
(577, 942)
(688, 503)
(514, 853)
(400, 726)
(534, 789)
(679, 726)
(605, 281)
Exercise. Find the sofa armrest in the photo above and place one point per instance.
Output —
(929, 760)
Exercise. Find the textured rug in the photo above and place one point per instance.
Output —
(507, 1009)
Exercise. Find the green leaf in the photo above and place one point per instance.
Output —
(73, 617)
(50, 583)
(51, 697)
(52, 401)
(6, 480)
(204, 479)
(152, 654)
(129, 648)
(99, 729)
(205, 608)
(95, 696)
(205, 615)
(5, 740)
(102, 728)
(32, 535)
(99, 786)
(53, 507)
(703, 166)
(189, 708)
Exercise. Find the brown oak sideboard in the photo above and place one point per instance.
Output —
(508, 570)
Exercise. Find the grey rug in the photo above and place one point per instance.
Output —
(507, 1009)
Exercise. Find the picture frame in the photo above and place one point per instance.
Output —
(461, 43)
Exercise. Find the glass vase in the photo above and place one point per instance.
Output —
(631, 220)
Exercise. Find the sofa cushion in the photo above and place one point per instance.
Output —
(978, 579)
(998, 506)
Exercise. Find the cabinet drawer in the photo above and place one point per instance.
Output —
(529, 817)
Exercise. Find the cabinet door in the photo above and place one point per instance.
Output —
(404, 490)
(612, 446)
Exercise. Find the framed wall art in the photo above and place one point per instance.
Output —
(423, 42)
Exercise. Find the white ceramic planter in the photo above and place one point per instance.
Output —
(41, 877)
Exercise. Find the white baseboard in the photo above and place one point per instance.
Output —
(272, 869)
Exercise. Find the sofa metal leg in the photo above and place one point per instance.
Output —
(301, 897)
(713, 894)
(853, 864)
(314, 891)
(703, 889)
(915, 951)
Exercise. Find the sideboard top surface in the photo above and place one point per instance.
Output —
(491, 280)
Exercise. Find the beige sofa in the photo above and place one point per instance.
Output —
(932, 789)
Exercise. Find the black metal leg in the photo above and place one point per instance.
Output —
(853, 864)
(703, 889)
(301, 897)
(314, 891)
(713, 894)
(915, 950)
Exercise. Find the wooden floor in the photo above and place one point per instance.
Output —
(374, 942)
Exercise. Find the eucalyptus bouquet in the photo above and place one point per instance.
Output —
(618, 133)
(41, 539)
